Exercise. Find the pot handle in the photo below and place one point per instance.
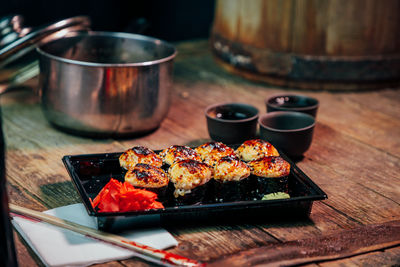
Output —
(27, 43)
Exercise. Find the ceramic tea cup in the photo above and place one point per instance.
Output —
(289, 131)
(292, 102)
(231, 123)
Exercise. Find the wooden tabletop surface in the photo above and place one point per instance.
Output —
(354, 158)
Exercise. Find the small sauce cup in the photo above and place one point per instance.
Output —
(231, 123)
(289, 131)
(292, 102)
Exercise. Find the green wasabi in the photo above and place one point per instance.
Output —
(277, 195)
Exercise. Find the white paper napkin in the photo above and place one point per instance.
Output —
(60, 247)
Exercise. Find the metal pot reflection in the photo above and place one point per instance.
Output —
(104, 84)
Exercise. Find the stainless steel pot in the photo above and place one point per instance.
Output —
(106, 84)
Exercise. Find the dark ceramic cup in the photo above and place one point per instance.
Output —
(290, 132)
(231, 123)
(292, 102)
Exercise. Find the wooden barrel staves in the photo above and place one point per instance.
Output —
(313, 44)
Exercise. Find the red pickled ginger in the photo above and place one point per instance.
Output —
(120, 197)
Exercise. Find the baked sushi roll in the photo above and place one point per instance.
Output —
(211, 152)
(176, 153)
(230, 182)
(255, 149)
(139, 154)
(270, 175)
(148, 177)
(190, 178)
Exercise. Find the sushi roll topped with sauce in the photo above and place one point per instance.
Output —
(187, 175)
(139, 154)
(149, 177)
(255, 149)
(269, 175)
(211, 152)
(146, 176)
(176, 153)
(230, 169)
(271, 167)
(230, 179)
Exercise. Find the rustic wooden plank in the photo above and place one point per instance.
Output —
(29, 152)
(208, 243)
(348, 205)
(389, 257)
(19, 196)
(368, 125)
(359, 202)
(384, 101)
(323, 219)
(329, 247)
(357, 161)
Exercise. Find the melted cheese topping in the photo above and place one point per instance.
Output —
(139, 154)
(270, 167)
(176, 153)
(188, 174)
(255, 149)
(211, 152)
(230, 169)
(146, 176)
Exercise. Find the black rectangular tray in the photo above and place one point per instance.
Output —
(91, 172)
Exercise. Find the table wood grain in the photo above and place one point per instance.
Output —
(354, 158)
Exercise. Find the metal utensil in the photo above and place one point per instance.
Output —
(27, 43)
(11, 23)
(11, 28)
(30, 69)
(16, 41)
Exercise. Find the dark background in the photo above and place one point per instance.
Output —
(171, 20)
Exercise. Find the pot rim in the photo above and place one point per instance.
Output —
(117, 35)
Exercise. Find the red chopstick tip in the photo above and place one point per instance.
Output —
(176, 259)
(167, 257)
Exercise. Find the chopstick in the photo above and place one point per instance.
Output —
(148, 253)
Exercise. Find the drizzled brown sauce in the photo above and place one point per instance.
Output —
(142, 150)
(147, 173)
(216, 145)
(183, 151)
(257, 143)
(145, 176)
(193, 166)
(274, 162)
(230, 159)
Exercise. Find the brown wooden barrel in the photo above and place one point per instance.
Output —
(315, 44)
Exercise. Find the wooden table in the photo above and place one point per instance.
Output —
(354, 158)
